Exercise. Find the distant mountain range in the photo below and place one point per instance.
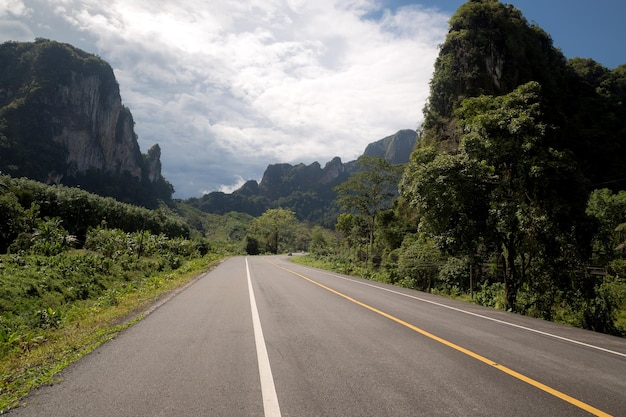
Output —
(305, 189)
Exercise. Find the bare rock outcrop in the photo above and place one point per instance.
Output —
(62, 115)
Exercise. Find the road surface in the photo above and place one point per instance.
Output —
(260, 336)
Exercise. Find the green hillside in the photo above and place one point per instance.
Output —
(514, 195)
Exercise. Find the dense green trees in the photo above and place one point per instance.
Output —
(448, 193)
(498, 195)
(504, 193)
(609, 211)
(274, 230)
(24, 201)
(365, 194)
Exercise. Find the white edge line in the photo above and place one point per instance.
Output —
(271, 407)
(479, 315)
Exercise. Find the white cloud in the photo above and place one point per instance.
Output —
(13, 7)
(227, 88)
(239, 181)
(11, 29)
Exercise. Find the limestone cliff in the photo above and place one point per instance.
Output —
(61, 116)
(396, 148)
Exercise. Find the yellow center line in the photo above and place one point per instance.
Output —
(584, 406)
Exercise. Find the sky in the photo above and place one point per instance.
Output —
(228, 87)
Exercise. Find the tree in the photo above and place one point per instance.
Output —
(354, 230)
(506, 189)
(609, 210)
(534, 196)
(252, 246)
(275, 227)
(449, 192)
(12, 220)
(323, 241)
(368, 192)
(418, 263)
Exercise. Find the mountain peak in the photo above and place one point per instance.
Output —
(396, 149)
(62, 115)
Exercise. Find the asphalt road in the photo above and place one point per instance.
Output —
(305, 342)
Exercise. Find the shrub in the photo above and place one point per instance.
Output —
(490, 295)
(453, 276)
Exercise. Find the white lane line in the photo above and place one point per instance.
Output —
(529, 329)
(270, 399)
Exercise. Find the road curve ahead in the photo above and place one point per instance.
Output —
(260, 336)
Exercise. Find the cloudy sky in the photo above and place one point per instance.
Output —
(228, 87)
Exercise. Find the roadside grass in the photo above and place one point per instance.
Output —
(321, 263)
(488, 295)
(36, 355)
(361, 272)
(341, 267)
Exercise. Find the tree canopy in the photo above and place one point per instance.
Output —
(504, 190)
(275, 228)
(369, 191)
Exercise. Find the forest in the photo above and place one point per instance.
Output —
(514, 193)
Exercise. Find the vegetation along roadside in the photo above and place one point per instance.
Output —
(63, 294)
(513, 195)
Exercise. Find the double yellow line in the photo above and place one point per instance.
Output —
(584, 406)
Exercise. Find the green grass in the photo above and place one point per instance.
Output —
(38, 343)
(342, 267)
(489, 295)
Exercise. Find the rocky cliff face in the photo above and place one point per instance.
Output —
(332, 170)
(95, 128)
(490, 50)
(62, 114)
(282, 180)
(396, 149)
(153, 163)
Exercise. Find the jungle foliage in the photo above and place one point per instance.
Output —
(73, 265)
(514, 194)
(64, 244)
(25, 202)
(277, 231)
